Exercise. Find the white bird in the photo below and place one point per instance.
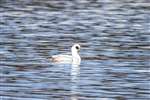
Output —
(74, 58)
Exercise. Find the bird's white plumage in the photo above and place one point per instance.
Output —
(74, 58)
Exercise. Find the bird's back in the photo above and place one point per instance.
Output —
(62, 58)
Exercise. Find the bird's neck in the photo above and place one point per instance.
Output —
(75, 57)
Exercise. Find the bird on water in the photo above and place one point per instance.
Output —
(74, 58)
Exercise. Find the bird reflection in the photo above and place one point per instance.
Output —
(75, 73)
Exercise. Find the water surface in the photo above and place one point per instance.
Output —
(115, 49)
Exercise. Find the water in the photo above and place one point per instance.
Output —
(115, 49)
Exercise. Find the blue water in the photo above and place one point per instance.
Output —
(115, 49)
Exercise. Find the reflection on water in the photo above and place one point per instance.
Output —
(115, 49)
(75, 75)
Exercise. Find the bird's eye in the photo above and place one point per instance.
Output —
(77, 47)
